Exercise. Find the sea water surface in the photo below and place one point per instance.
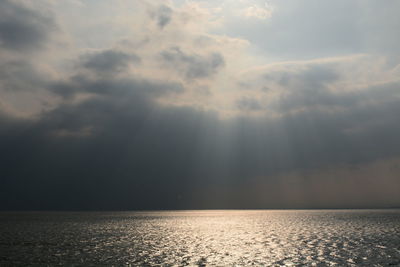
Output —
(202, 238)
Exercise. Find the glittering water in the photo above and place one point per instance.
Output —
(202, 238)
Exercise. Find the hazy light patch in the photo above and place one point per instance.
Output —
(257, 12)
(353, 183)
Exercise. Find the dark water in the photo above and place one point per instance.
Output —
(200, 238)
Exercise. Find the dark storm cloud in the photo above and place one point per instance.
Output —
(21, 28)
(125, 157)
(109, 61)
(114, 142)
(122, 150)
(192, 65)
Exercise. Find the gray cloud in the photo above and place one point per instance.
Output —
(194, 66)
(20, 75)
(109, 61)
(122, 150)
(315, 87)
(25, 32)
(112, 87)
(163, 15)
(21, 28)
(114, 142)
(311, 77)
(248, 104)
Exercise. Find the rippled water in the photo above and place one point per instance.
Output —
(201, 238)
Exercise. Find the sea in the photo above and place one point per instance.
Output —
(201, 238)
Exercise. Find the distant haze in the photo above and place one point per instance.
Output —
(153, 104)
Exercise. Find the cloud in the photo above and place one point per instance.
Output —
(124, 144)
(248, 104)
(125, 123)
(27, 33)
(122, 149)
(163, 15)
(22, 28)
(257, 12)
(19, 75)
(332, 85)
(193, 66)
(109, 61)
(109, 86)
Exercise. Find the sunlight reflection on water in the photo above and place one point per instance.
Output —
(199, 238)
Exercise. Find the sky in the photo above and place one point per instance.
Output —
(199, 104)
